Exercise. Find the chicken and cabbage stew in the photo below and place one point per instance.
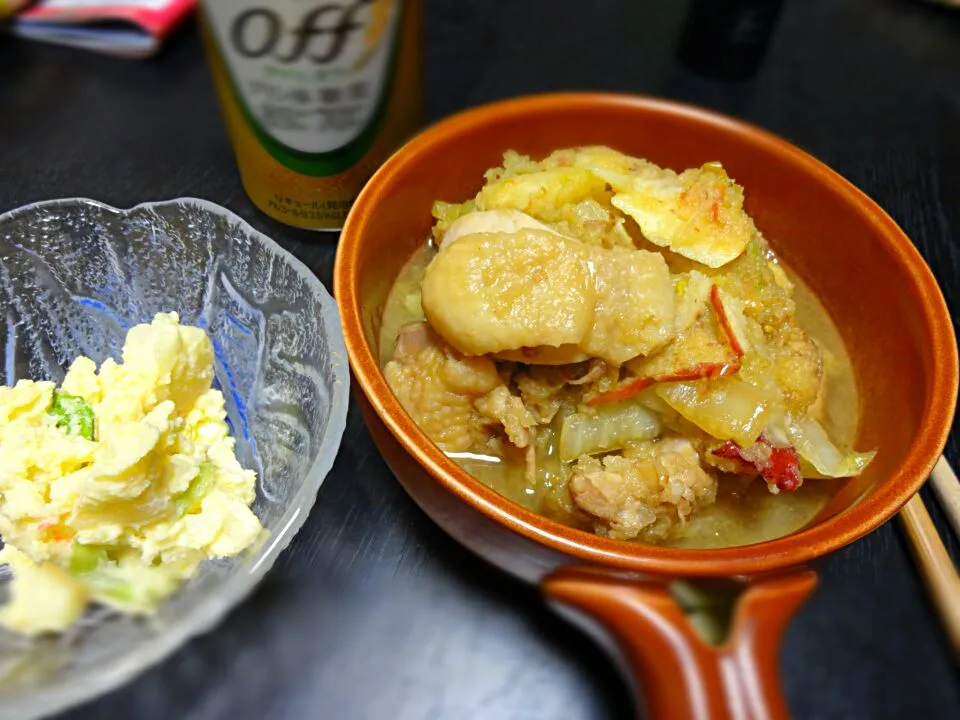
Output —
(615, 346)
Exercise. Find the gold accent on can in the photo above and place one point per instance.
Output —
(294, 79)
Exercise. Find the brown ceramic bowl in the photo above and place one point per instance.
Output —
(873, 282)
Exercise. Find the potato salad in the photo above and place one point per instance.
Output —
(116, 485)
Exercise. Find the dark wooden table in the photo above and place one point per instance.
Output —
(372, 612)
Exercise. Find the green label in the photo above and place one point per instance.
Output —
(312, 79)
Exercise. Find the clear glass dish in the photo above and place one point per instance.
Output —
(74, 276)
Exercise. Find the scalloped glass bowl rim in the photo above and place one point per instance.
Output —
(210, 609)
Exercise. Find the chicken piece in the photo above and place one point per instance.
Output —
(497, 293)
(412, 338)
(635, 305)
(504, 221)
(595, 370)
(507, 409)
(646, 493)
(566, 354)
(698, 214)
(689, 486)
(491, 292)
(530, 459)
(541, 389)
(622, 497)
(453, 398)
(438, 388)
(511, 221)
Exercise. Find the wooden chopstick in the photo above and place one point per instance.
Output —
(947, 488)
(935, 565)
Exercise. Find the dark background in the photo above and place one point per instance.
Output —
(373, 612)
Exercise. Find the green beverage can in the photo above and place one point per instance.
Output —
(316, 94)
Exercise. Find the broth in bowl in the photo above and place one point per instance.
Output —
(614, 345)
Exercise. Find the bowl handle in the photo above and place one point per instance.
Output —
(681, 675)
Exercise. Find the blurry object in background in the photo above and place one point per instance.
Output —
(129, 28)
(728, 39)
(315, 95)
(11, 7)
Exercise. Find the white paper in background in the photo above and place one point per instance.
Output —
(138, 31)
(127, 43)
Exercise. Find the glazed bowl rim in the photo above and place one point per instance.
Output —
(769, 556)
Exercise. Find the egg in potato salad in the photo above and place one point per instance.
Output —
(117, 485)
